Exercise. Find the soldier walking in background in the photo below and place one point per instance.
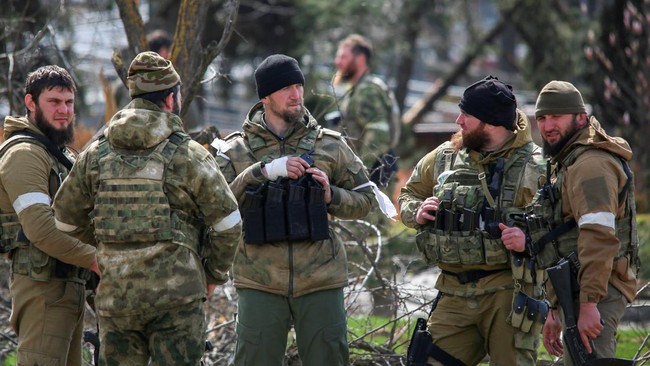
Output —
(48, 267)
(293, 272)
(368, 115)
(149, 192)
(461, 198)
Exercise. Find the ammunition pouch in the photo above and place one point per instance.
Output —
(27, 260)
(528, 313)
(285, 209)
(10, 226)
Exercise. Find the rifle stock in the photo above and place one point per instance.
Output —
(561, 278)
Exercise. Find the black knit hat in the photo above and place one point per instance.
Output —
(276, 72)
(491, 101)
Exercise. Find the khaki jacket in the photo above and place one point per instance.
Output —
(24, 177)
(590, 189)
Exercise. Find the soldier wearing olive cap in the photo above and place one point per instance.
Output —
(147, 192)
(592, 214)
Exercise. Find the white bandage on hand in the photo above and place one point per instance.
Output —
(276, 168)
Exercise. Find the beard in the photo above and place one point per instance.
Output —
(293, 117)
(348, 72)
(58, 137)
(555, 148)
(475, 140)
(289, 116)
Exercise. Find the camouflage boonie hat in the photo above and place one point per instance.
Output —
(149, 72)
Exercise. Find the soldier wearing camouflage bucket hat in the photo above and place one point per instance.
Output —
(461, 198)
(165, 222)
(291, 281)
(593, 215)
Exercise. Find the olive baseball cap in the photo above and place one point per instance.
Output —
(149, 72)
(559, 97)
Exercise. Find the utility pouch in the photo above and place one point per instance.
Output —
(451, 221)
(440, 219)
(274, 212)
(317, 211)
(528, 313)
(8, 230)
(297, 220)
(253, 215)
(518, 309)
(469, 219)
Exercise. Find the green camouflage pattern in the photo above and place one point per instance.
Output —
(296, 268)
(140, 276)
(368, 120)
(179, 334)
(423, 184)
(149, 72)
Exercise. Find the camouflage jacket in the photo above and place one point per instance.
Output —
(24, 189)
(367, 113)
(294, 268)
(424, 178)
(139, 277)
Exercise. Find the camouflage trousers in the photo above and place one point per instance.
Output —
(47, 316)
(469, 328)
(264, 321)
(611, 309)
(160, 337)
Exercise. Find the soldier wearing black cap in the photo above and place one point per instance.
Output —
(460, 198)
(288, 280)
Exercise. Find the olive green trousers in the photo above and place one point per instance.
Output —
(264, 321)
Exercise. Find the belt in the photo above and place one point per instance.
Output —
(472, 276)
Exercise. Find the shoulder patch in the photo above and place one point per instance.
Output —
(328, 132)
(233, 135)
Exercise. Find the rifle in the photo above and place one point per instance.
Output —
(565, 285)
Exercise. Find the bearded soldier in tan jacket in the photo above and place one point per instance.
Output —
(590, 208)
(48, 267)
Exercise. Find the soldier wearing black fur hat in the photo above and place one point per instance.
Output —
(461, 199)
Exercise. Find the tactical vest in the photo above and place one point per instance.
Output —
(466, 227)
(26, 258)
(292, 210)
(554, 238)
(131, 204)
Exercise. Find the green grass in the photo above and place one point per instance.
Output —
(377, 331)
